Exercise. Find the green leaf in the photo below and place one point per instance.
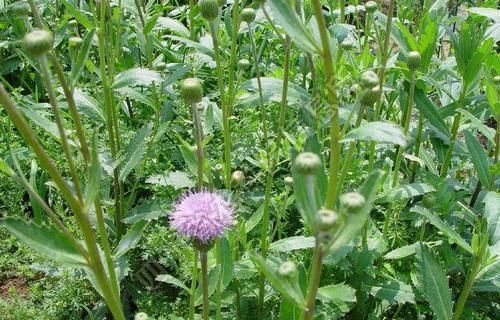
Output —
(405, 192)
(392, 291)
(339, 294)
(131, 239)
(134, 152)
(488, 279)
(293, 243)
(171, 280)
(286, 16)
(45, 240)
(254, 220)
(176, 179)
(434, 282)
(136, 77)
(379, 131)
(148, 211)
(409, 250)
(88, 106)
(175, 26)
(78, 14)
(195, 45)
(430, 111)
(443, 227)
(83, 54)
(213, 275)
(269, 268)
(479, 159)
(491, 13)
(227, 262)
(492, 215)
(272, 91)
(94, 174)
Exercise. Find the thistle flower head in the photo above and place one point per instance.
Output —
(202, 216)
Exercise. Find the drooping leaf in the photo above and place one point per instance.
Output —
(175, 26)
(46, 240)
(134, 151)
(272, 90)
(379, 131)
(337, 293)
(430, 111)
(434, 283)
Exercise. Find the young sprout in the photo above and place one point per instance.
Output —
(288, 181)
(75, 42)
(38, 42)
(209, 9)
(369, 79)
(161, 66)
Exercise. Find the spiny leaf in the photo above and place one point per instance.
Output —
(134, 152)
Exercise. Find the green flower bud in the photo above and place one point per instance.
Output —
(38, 42)
(307, 163)
(75, 42)
(248, 15)
(369, 79)
(288, 181)
(352, 202)
(161, 66)
(429, 200)
(237, 178)
(209, 9)
(219, 167)
(324, 238)
(141, 316)
(413, 60)
(20, 9)
(371, 96)
(496, 80)
(191, 90)
(327, 219)
(73, 23)
(288, 270)
(347, 44)
(371, 6)
(244, 64)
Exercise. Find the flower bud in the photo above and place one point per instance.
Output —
(371, 96)
(209, 9)
(496, 80)
(352, 202)
(369, 79)
(327, 219)
(38, 42)
(219, 167)
(73, 23)
(20, 9)
(244, 64)
(429, 200)
(191, 90)
(237, 178)
(161, 66)
(307, 163)
(288, 270)
(75, 42)
(413, 60)
(371, 6)
(288, 181)
(141, 316)
(324, 238)
(248, 15)
(347, 44)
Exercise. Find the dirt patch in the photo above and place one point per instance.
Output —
(19, 284)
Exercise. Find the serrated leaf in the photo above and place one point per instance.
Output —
(392, 291)
(148, 211)
(45, 240)
(175, 26)
(130, 239)
(171, 280)
(134, 152)
(434, 282)
(136, 77)
(479, 159)
(293, 243)
(337, 293)
(88, 105)
(379, 131)
(405, 192)
(176, 179)
(272, 89)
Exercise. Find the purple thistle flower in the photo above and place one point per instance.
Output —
(202, 215)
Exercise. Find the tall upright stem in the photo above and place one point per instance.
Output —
(204, 283)
(314, 280)
(198, 138)
(332, 102)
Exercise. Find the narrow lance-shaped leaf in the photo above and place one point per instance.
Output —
(83, 54)
(134, 152)
(479, 159)
(131, 239)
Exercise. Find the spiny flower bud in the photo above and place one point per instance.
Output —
(141, 316)
(248, 15)
(288, 270)
(327, 219)
(371, 6)
(347, 44)
(307, 163)
(244, 64)
(191, 90)
(288, 181)
(75, 42)
(352, 202)
(38, 42)
(369, 79)
(371, 96)
(237, 178)
(496, 80)
(209, 9)
(20, 9)
(413, 60)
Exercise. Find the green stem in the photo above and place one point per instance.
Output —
(469, 281)
(417, 146)
(342, 11)
(314, 280)
(204, 283)
(332, 102)
(198, 138)
(194, 279)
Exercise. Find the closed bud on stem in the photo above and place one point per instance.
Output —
(209, 9)
(20, 9)
(288, 181)
(327, 219)
(347, 44)
(429, 200)
(219, 167)
(288, 270)
(244, 64)
(307, 163)
(413, 60)
(324, 238)
(371, 6)
(141, 316)
(371, 96)
(237, 178)
(38, 42)
(248, 15)
(161, 66)
(191, 90)
(75, 42)
(352, 202)
(369, 79)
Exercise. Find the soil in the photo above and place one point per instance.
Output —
(18, 283)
